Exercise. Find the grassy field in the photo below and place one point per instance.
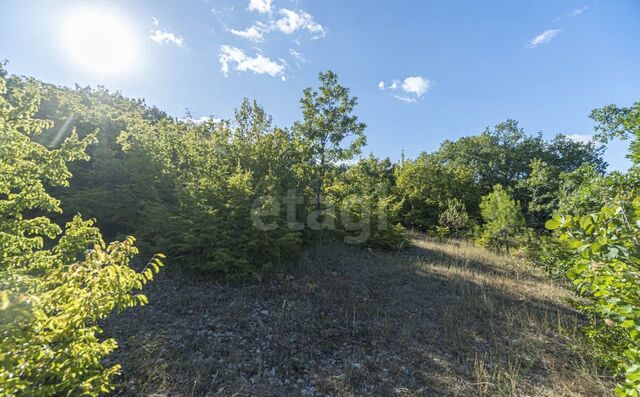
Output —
(440, 318)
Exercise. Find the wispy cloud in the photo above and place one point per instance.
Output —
(283, 20)
(414, 87)
(253, 33)
(577, 11)
(164, 37)
(297, 56)
(259, 64)
(201, 120)
(573, 13)
(405, 98)
(288, 22)
(292, 21)
(262, 6)
(544, 37)
(582, 138)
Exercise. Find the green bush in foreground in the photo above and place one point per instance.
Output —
(52, 298)
(604, 266)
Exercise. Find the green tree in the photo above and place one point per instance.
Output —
(425, 186)
(218, 174)
(598, 242)
(454, 220)
(540, 191)
(51, 299)
(503, 220)
(368, 205)
(616, 122)
(469, 167)
(329, 132)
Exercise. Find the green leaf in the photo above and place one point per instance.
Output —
(552, 224)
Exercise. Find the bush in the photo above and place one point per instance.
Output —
(603, 261)
(367, 205)
(52, 299)
(454, 221)
(503, 220)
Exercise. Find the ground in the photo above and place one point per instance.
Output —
(440, 318)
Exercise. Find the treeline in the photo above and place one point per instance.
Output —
(196, 189)
(236, 198)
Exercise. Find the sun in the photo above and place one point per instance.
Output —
(100, 41)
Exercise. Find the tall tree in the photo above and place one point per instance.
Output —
(329, 132)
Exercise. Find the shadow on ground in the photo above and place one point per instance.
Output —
(434, 320)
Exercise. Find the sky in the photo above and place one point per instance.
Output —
(423, 71)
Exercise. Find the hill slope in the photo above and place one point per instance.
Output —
(441, 318)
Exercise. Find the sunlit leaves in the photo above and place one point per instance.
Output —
(51, 299)
(604, 266)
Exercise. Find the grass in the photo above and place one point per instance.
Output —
(440, 318)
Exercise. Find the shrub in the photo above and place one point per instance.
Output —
(503, 220)
(52, 299)
(603, 263)
(454, 221)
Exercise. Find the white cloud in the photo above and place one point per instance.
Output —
(253, 33)
(544, 37)
(573, 13)
(577, 11)
(582, 138)
(292, 21)
(288, 23)
(201, 120)
(405, 98)
(262, 6)
(162, 37)
(298, 56)
(243, 63)
(415, 85)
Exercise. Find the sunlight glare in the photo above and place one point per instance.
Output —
(100, 41)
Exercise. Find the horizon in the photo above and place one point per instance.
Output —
(544, 64)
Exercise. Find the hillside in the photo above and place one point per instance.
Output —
(439, 318)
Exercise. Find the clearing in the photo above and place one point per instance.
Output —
(440, 318)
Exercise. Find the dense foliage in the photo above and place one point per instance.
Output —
(503, 221)
(454, 220)
(598, 242)
(467, 169)
(605, 267)
(236, 198)
(53, 289)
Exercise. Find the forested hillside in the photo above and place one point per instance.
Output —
(238, 201)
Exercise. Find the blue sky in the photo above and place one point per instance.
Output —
(448, 68)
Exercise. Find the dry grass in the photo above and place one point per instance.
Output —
(440, 318)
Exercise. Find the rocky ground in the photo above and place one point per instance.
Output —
(441, 318)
